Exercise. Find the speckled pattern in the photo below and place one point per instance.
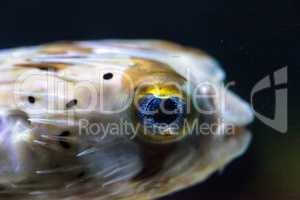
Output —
(46, 90)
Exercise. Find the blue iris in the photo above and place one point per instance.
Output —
(155, 111)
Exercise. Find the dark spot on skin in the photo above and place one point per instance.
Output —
(72, 103)
(108, 76)
(31, 99)
(81, 174)
(63, 143)
(43, 68)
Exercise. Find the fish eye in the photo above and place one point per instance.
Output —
(161, 113)
(156, 111)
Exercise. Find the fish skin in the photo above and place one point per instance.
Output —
(52, 160)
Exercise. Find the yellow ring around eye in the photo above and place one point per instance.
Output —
(163, 91)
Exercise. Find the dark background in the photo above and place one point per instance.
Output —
(251, 39)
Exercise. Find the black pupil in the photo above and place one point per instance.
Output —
(166, 117)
